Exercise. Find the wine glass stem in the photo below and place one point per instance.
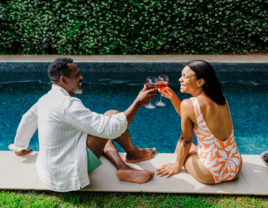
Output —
(160, 98)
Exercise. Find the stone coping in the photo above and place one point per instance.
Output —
(126, 67)
(139, 58)
(19, 173)
(136, 63)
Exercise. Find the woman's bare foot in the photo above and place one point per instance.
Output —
(141, 155)
(133, 175)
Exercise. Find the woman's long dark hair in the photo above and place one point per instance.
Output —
(212, 86)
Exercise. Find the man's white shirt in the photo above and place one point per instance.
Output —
(63, 124)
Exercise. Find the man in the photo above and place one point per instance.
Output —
(72, 138)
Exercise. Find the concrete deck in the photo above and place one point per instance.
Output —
(139, 58)
(20, 173)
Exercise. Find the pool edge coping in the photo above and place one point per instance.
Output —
(138, 58)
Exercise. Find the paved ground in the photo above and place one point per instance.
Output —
(20, 173)
(139, 58)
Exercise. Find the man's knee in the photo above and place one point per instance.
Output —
(111, 112)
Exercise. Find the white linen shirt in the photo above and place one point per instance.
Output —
(63, 124)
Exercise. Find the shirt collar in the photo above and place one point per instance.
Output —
(57, 88)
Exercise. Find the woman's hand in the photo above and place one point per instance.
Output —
(167, 92)
(169, 168)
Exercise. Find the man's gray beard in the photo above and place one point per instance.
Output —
(78, 91)
(75, 91)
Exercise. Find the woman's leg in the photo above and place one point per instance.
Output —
(196, 168)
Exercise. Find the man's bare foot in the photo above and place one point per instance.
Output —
(142, 154)
(23, 152)
(133, 175)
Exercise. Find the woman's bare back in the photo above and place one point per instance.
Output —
(217, 118)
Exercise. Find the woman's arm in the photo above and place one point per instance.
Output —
(176, 103)
(170, 94)
(185, 142)
(186, 138)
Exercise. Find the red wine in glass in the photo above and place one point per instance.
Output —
(151, 83)
(162, 83)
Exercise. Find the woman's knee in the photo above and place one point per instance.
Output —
(193, 149)
(111, 112)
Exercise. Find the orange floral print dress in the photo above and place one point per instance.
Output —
(221, 158)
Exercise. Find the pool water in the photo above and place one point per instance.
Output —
(246, 93)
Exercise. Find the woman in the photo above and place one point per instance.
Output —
(206, 114)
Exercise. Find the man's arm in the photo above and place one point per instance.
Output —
(81, 118)
(144, 97)
(25, 131)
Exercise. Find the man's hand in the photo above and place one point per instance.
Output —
(145, 96)
(23, 152)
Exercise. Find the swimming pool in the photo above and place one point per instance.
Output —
(246, 93)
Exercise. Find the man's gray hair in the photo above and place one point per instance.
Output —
(59, 68)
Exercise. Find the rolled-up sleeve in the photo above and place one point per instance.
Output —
(26, 129)
(83, 119)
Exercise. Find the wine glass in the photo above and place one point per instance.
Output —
(151, 82)
(162, 83)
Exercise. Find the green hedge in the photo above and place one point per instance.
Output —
(133, 26)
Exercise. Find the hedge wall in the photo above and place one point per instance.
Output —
(133, 26)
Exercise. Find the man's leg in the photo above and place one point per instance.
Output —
(133, 153)
(124, 172)
(96, 144)
(99, 145)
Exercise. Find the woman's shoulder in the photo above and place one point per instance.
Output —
(187, 105)
(187, 102)
(187, 109)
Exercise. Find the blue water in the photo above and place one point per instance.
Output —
(246, 93)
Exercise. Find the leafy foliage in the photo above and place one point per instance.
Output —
(133, 26)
